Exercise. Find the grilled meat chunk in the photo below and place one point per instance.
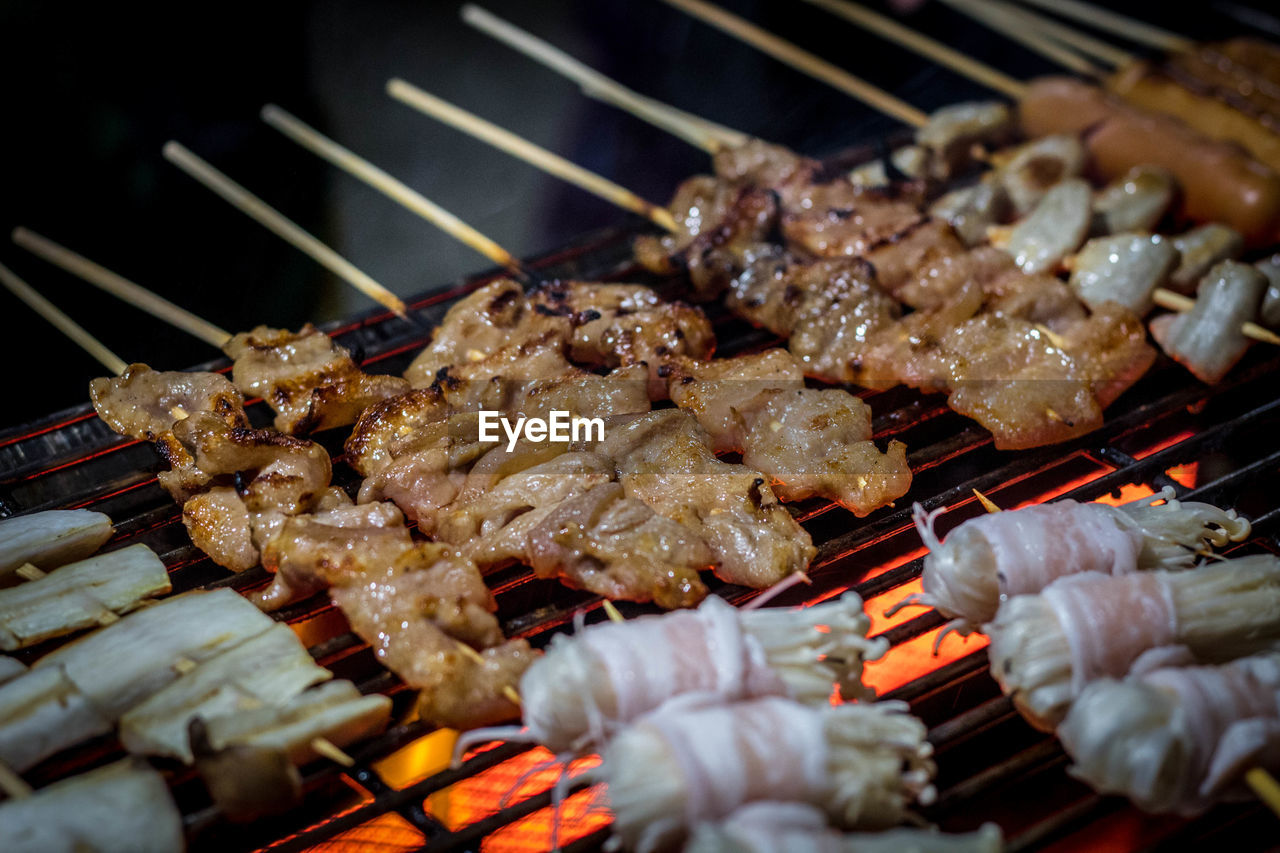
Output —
(417, 604)
(809, 441)
(144, 404)
(310, 381)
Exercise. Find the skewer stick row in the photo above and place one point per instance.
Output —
(697, 131)
(1095, 48)
(505, 140)
(938, 52)
(119, 286)
(1009, 23)
(1115, 23)
(282, 226)
(802, 60)
(61, 321)
(355, 165)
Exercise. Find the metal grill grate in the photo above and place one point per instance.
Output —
(1216, 444)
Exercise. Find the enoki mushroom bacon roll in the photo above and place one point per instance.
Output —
(591, 683)
(1178, 739)
(801, 828)
(989, 559)
(863, 765)
(1046, 648)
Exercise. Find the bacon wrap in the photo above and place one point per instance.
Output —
(645, 662)
(1216, 702)
(1107, 632)
(1038, 544)
(729, 756)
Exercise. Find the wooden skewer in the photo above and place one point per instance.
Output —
(697, 131)
(1166, 298)
(12, 784)
(1265, 787)
(1113, 22)
(321, 145)
(612, 612)
(64, 324)
(921, 44)
(117, 285)
(326, 748)
(802, 60)
(525, 150)
(1014, 27)
(29, 572)
(512, 696)
(987, 504)
(1095, 48)
(282, 226)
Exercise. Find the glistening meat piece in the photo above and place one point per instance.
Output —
(666, 459)
(564, 515)
(626, 324)
(1178, 739)
(417, 604)
(259, 477)
(310, 381)
(809, 441)
(495, 316)
(143, 403)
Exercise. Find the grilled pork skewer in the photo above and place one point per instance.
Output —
(310, 381)
(1047, 647)
(591, 684)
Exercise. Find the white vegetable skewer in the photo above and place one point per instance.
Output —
(1046, 648)
(123, 806)
(79, 595)
(51, 538)
(999, 555)
(81, 689)
(592, 683)
(864, 765)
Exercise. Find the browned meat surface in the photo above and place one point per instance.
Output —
(310, 381)
(809, 441)
(700, 203)
(563, 514)
(143, 403)
(495, 316)
(258, 477)
(625, 324)
(415, 604)
(839, 219)
(762, 164)
(665, 459)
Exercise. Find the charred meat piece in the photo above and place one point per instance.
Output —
(144, 404)
(495, 316)
(416, 604)
(810, 442)
(665, 459)
(310, 381)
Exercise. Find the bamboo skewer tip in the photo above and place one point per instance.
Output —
(326, 748)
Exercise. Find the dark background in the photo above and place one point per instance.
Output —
(91, 93)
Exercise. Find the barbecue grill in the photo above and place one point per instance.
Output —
(1213, 444)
